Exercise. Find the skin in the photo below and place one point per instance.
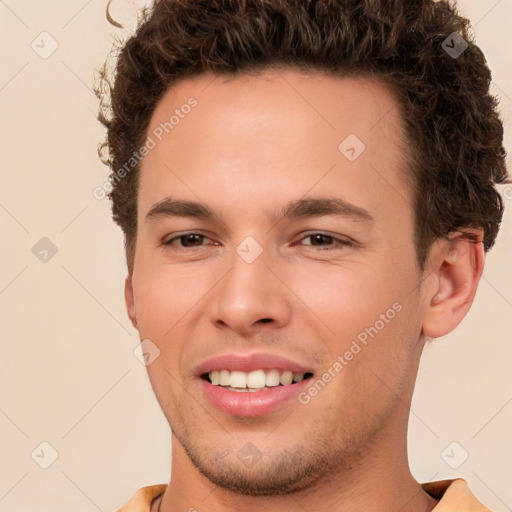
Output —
(251, 145)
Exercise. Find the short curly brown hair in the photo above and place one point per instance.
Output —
(451, 119)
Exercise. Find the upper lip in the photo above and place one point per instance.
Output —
(247, 362)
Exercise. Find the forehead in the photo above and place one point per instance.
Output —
(329, 102)
(282, 126)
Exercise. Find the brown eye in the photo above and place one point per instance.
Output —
(319, 238)
(325, 241)
(187, 240)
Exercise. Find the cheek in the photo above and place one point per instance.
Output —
(165, 294)
(368, 323)
(348, 297)
(387, 353)
(372, 368)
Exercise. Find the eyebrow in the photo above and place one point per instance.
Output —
(298, 209)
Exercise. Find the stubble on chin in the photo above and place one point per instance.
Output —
(283, 472)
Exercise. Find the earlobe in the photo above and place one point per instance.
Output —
(455, 275)
(128, 298)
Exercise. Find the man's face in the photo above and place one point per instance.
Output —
(333, 296)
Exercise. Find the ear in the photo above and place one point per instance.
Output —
(451, 279)
(128, 298)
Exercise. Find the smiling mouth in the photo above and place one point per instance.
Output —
(256, 380)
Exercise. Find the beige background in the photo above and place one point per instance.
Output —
(69, 375)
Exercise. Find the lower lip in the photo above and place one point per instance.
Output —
(252, 403)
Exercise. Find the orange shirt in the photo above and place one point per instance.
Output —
(455, 496)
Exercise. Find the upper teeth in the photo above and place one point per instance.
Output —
(256, 379)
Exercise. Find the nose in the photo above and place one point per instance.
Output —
(250, 297)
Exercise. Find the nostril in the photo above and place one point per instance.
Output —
(265, 320)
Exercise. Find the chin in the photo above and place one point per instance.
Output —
(280, 473)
